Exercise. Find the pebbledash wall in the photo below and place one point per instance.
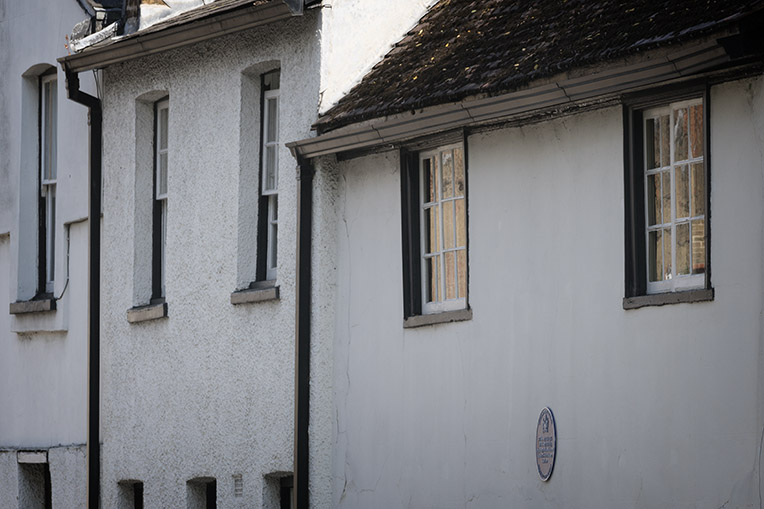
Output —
(206, 392)
(655, 407)
(43, 356)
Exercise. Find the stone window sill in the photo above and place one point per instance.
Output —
(260, 291)
(153, 311)
(32, 306)
(445, 317)
(662, 299)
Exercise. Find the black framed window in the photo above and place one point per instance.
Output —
(46, 211)
(159, 212)
(667, 198)
(267, 217)
(434, 215)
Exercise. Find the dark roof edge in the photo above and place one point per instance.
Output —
(685, 62)
(216, 25)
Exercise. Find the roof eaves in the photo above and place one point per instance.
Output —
(140, 44)
(681, 63)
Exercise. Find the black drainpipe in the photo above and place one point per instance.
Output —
(302, 333)
(94, 294)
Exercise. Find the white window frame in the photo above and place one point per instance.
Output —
(159, 193)
(271, 191)
(460, 302)
(674, 282)
(48, 170)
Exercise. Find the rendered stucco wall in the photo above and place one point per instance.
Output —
(355, 35)
(42, 355)
(208, 391)
(656, 407)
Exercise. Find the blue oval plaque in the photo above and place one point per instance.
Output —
(546, 444)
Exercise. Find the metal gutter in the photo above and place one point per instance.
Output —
(94, 288)
(678, 64)
(138, 45)
(300, 492)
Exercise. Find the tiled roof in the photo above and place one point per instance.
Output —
(462, 48)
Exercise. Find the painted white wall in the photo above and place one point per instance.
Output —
(355, 35)
(43, 355)
(208, 391)
(656, 407)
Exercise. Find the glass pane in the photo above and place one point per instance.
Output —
(51, 127)
(448, 225)
(665, 141)
(274, 244)
(273, 117)
(459, 183)
(51, 233)
(432, 280)
(654, 255)
(683, 248)
(162, 173)
(667, 253)
(653, 199)
(698, 246)
(682, 192)
(461, 272)
(698, 187)
(271, 80)
(666, 191)
(680, 134)
(450, 268)
(652, 144)
(163, 119)
(461, 223)
(270, 168)
(431, 230)
(696, 130)
(447, 173)
(429, 180)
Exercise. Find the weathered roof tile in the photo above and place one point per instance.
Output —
(465, 47)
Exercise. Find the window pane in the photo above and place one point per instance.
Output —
(431, 230)
(461, 223)
(665, 141)
(666, 177)
(683, 248)
(52, 128)
(461, 271)
(653, 199)
(447, 173)
(163, 118)
(459, 183)
(698, 246)
(696, 130)
(271, 131)
(682, 191)
(652, 144)
(698, 187)
(450, 268)
(270, 168)
(429, 180)
(680, 134)
(655, 258)
(273, 244)
(432, 279)
(667, 253)
(448, 225)
(162, 174)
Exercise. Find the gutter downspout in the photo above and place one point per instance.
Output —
(95, 115)
(300, 494)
